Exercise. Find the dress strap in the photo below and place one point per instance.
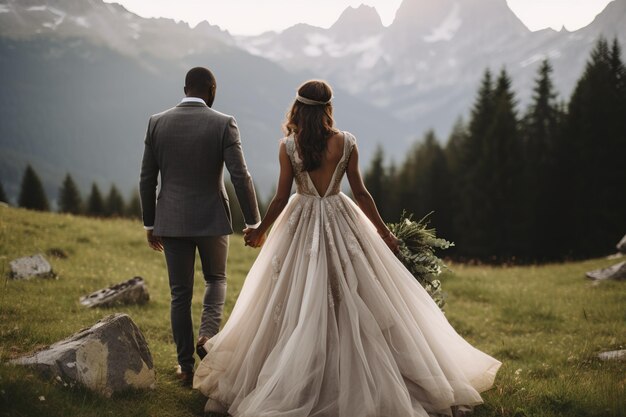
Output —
(290, 146)
(350, 142)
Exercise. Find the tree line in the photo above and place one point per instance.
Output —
(548, 183)
(32, 196)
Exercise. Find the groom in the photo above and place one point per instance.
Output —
(189, 145)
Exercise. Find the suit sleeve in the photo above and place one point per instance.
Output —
(239, 175)
(148, 180)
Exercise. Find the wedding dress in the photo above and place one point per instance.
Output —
(330, 323)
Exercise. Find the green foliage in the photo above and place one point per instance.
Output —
(375, 179)
(3, 196)
(417, 252)
(541, 131)
(95, 204)
(595, 138)
(69, 197)
(547, 343)
(546, 185)
(100, 252)
(32, 195)
(133, 208)
(114, 203)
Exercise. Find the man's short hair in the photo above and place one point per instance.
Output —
(199, 79)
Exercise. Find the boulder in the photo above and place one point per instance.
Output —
(133, 291)
(111, 356)
(617, 271)
(621, 246)
(31, 266)
(615, 355)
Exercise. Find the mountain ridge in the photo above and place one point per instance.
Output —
(74, 102)
(391, 83)
(425, 66)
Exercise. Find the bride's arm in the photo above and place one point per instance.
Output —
(254, 237)
(365, 201)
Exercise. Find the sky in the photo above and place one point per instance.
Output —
(251, 17)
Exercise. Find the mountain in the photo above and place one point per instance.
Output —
(425, 67)
(81, 77)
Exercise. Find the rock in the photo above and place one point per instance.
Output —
(617, 271)
(111, 356)
(615, 355)
(132, 291)
(31, 266)
(621, 246)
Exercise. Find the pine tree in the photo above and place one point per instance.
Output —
(375, 180)
(502, 156)
(486, 165)
(453, 153)
(455, 144)
(114, 203)
(32, 195)
(133, 208)
(472, 172)
(595, 136)
(432, 184)
(542, 179)
(69, 197)
(95, 204)
(3, 196)
(406, 184)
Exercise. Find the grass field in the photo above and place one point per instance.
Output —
(545, 323)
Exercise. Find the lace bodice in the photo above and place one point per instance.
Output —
(304, 185)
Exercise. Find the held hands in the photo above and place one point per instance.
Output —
(154, 242)
(253, 238)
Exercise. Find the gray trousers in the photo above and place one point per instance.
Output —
(180, 255)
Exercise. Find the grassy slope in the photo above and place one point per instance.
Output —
(545, 323)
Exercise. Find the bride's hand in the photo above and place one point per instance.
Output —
(391, 241)
(252, 237)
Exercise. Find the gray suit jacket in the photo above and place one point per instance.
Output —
(188, 145)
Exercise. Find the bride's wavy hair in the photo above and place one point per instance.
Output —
(311, 124)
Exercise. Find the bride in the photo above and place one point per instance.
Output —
(329, 322)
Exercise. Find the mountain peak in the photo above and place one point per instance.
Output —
(365, 16)
(427, 18)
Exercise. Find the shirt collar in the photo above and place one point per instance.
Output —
(192, 100)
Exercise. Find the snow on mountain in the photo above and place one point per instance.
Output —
(448, 27)
(108, 24)
(425, 67)
(99, 71)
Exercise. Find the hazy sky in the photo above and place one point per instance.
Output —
(247, 17)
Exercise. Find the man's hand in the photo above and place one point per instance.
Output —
(154, 242)
(252, 237)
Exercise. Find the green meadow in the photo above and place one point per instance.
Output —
(545, 323)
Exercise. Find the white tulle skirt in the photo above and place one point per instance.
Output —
(330, 323)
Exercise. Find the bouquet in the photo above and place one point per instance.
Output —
(417, 253)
